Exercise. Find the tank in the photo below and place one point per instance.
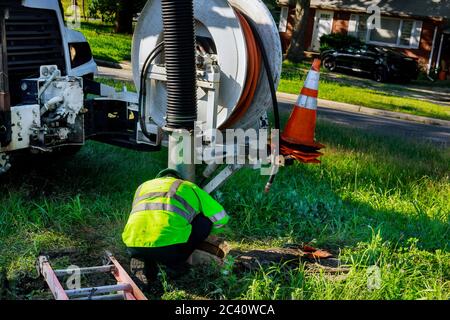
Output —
(218, 24)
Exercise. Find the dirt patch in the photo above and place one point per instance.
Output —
(255, 259)
(30, 286)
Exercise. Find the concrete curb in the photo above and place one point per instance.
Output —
(369, 111)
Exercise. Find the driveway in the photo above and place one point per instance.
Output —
(124, 74)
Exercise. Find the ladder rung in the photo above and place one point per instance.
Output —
(125, 289)
(95, 291)
(104, 297)
(102, 269)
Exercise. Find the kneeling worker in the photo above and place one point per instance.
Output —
(169, 220)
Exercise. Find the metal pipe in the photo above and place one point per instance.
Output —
(181, 154)
(438, 62)
(82, 271)
(102, 298)
(430, 61)
(179, 47)
(95, 291)
(47, 84)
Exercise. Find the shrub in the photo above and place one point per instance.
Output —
(338, 41)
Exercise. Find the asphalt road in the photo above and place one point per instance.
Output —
(438, 135)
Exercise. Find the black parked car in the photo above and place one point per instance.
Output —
(381, 63)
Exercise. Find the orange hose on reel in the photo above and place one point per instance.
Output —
(253, 72)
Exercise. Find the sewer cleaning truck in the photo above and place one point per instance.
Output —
(51, 103)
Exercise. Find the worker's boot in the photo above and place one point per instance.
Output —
(144, 273)
(137, 269)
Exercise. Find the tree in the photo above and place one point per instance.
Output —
(124, 18)
(296, 50)
(120, 12)
(83, 6)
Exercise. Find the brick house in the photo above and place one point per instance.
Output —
(420, 29)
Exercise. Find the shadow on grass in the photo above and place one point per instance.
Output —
(313, 212)
(361, 178)
(105, 57)
(96, 169)
(98, 27)
(366, 182)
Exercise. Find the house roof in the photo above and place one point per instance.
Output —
(423, 8)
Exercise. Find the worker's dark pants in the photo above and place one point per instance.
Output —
(174, 255)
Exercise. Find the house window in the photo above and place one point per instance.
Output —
(388, 33)
(394, 32)
(406, 32)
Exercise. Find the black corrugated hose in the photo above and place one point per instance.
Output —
(179, 46)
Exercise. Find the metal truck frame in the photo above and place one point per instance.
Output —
(49, 102)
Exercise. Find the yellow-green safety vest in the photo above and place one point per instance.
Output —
(163, 210)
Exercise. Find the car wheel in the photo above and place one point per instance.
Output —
(329, 63)
(380, 75)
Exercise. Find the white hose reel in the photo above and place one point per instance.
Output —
(216, 20)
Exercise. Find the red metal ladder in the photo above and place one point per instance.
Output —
(125, 289)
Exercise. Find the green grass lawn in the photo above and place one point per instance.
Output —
(105, 44)
(117, 84)
(374, 200)
(294, 75)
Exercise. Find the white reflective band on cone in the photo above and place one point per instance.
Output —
(312, 81)
(307, 102)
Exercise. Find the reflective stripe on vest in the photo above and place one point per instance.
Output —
(152, 195)
(218, 216)
(149, 195)
(171, 194)
(163, 207)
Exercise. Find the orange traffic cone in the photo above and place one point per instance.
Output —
(298, 138)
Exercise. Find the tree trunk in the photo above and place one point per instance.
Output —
(124, 18)
(296, 50)
(83, 3)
